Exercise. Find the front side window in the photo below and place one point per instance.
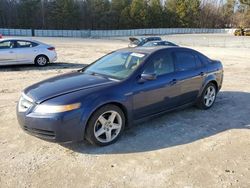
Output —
(118, 65)
(160, 64)
(184, 61)
(7, 44)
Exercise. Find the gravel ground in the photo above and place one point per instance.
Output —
(187, 148)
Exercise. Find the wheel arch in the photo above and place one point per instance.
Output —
(41, 55)
(207, 81)
(118, 104)
(215, 83)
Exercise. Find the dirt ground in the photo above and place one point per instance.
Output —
(188, 148)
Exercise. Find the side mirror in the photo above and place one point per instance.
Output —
(147, 77)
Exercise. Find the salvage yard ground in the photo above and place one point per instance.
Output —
(188, 148)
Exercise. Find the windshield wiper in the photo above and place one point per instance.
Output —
(102, 75)
(83, 69)
(97, 74)
(94, 74)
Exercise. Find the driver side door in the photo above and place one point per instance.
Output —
(154, 96)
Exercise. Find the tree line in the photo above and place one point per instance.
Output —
(123, 14)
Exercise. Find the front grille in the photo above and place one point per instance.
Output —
(24, 103)
(41, 133)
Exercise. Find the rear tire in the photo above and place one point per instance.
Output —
(208, 97)
(41, 60)
(105, 125)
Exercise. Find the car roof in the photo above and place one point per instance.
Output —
(9, 38)
(21, 39)
(25, 39)
(151, 49)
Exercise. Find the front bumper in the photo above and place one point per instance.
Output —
(63, 127)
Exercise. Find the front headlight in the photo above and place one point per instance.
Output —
(51, 109)
(25, 103)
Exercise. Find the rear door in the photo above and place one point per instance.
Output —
(26, 51)
(7, 52)
(190, 75)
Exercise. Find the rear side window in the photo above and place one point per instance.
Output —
(184, 61)
(160, 64)
(34, 44)
(25, 44)
(205, 60)
(198, 61)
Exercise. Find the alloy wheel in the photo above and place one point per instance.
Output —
(41, 61)
(209, 96)
(108, 126)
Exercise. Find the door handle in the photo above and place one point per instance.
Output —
(173, 82)
(11, 52)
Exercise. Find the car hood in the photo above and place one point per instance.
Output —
(64, 84)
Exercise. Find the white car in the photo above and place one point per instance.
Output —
(22, 51)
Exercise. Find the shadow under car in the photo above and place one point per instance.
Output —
(230, 111)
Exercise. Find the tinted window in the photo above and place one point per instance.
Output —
(204, 59)
(7, 44)
(184, 61)
(161, 63)
(34, 44)
(198, 60)
(24, 44)
(153, 38)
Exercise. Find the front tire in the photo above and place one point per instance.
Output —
(208, 97)
(41, 60)
(105, 125)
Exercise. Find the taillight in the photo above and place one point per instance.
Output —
(51, 48)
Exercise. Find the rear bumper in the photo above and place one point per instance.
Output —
(53, 59)
(66, 127)
(52, 56)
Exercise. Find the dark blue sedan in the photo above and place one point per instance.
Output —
(119, 89)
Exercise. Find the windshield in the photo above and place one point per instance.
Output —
(117, 65)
